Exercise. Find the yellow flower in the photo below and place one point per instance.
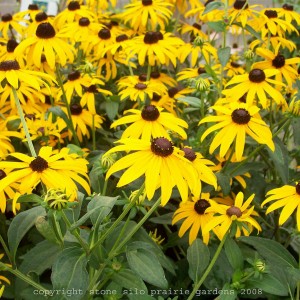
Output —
(288, 14)
(286, 197)
(162, 164)
(237, 120)
(150, 122)
(157, 239)
(60, 170)
(3, 279)
(238, 213)
(9, 22)
(196, 217)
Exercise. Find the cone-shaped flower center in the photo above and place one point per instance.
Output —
(240, 116)
(76, 109)
(143, 77)
(257, 75)
(42, 16)
(140, 86)
(30, 116)
(278, 61)
(2, 174)
(189, 154)
(159, 35)
(234, 211)
(271, 13)
(92, 89)
(38, 164)
(121, 38)
(73, 5)
(288, 7)
(151, 38)
(172, 92)
(104, 34)
(6, 18)
(11, 45)
(45, 31)
(8, 65)
(162, 146)
(234, 64)
(201, 71)
(33, 7)
(84, 22)
(298, 188)
(239, 4)
(74, 75)
(197, 26)
(147, 2)
(156, 97)
(201, 206)
(150, 113)
(155, 75)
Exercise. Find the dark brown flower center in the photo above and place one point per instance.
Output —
(33, 7)
(45, 31)
(38, 164)
(234, 211)
(83, 22)
(201, 206)
(74, 75)
(150, 113)
(240, 116)
(11, 46)
(156, 97)
(271, 13)
(288, 7)
(257, 75)
(41, 130)
(208, 1)
(234, 64)
(201, 71)
(155, 75)
(150, 38)
(298, 188)
(6, 18)
(8, 65)
(147, 2)
(73, 5)
(140, 86)
(278, 61)
(121, 38)
(42, 16)
(92, 89)
(172, 92)
(239, 4)
(143, 77)
(76, 109)
(162, 146)
(30, 116)
(189, 154)
(197, 26)
(2, 174)
(104, 34)
(159, 35)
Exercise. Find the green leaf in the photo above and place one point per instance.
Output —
(224, 182)
(56, 110)
(244, 168)
(295, 273)
(32, 198)
(269, 284)
(126, 278)
(111, 108)
(234, 254)
(212, 6)
(75, 149)
(193, 101)
(272, 251)
(281, 159)
(20, 225)
(218, 26)
(224, 55)
(296, 130)
(69, 272)
(144, 263)
(198, 257)
(227, 293)
(45, 229)
(162, 219)
(251, 30)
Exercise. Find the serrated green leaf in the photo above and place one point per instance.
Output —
(224, 182)
(69, 272)
(218, 26)
(144, 263)
(198, 257)
(212, 6)
(32, 198)
(111, 108)
(272, 251)
(224, 55)
(234, 254)
(20, 225)
(126, 278)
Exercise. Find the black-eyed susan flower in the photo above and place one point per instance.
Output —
(30, 12)
(149, 122)
(190, 73)
(9, 22)
(196, 217)
(235, 121)
(5, 142)
(160, 77)
(9, 54)
(141, 13)
(256, 83)
(194, 30)
(288, 13)
(238, 213)
(45, 42)
(162, 164)
(275, 60)
(234, 68)
(286, 197)
(54, 170)
(39, 18)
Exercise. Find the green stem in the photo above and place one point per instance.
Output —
(6, 249)
(120, 218)
(134, 230)
(95, 277)
(57, 231)
(75, 233)
(65, 100)
(148, 72)
(210, 266)
(22, 276)
(104, 188)
(21, 115)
